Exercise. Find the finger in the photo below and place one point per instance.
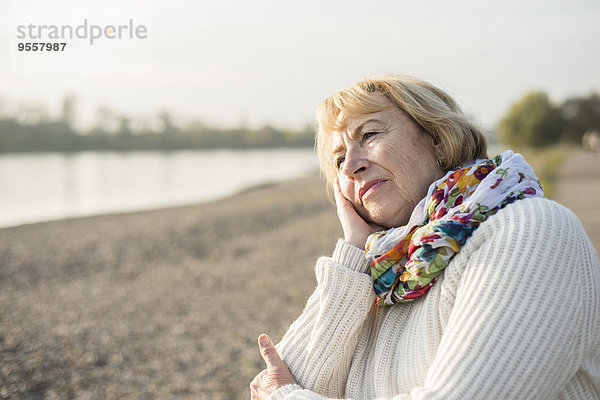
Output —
(255, 386)
(269, 352)
(337, 191)
(341, 201)
(254, 383)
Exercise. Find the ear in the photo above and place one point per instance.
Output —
(437, 146)
(439, 153)
(436, 143)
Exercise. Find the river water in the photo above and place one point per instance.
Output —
(37, 187)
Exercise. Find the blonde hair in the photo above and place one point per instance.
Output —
(432, 109)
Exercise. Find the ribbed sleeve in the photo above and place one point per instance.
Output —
(522, 321)
(350, 256)
(318, 347)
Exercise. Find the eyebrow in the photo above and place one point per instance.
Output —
(353, 135)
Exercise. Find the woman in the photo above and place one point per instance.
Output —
(456, 279)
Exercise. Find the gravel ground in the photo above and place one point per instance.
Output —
(161, 304)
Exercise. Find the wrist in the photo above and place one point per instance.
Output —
(356, 240)
(350, 256)
(284, 391)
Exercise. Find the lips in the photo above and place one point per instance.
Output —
(369, 187)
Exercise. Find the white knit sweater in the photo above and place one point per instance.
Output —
(515, 315)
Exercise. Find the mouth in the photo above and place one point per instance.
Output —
(369, 188)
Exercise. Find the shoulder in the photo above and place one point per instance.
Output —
(537, 251)
(533, 223)
(535, 210)
(531, 238)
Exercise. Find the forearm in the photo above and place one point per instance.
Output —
(319, 346)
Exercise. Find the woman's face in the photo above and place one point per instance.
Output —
(385, 163)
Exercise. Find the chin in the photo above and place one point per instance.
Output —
(386, 219)
(378, 219)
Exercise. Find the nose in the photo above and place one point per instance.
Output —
(355, 162)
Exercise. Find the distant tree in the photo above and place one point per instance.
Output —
(195, 127)
(30, 113)
(106, 121)
(269, 136)
(532, 121)
(124, 127)
(3, 109)
(580, 114)
(167, 123)
(305, 136)
(68, 112)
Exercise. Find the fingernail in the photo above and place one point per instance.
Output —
(264, 340)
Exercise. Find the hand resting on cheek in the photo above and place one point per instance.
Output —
(356, 229)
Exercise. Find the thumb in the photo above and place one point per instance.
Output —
(269, 352)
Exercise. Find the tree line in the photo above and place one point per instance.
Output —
(33, 130)
(534, 120)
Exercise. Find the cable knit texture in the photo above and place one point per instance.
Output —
(516, 315)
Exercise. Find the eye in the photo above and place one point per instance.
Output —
(339, 161)
(367, 135)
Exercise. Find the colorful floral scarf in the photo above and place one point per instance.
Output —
(406, 261)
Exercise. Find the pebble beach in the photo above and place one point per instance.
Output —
(160, 304)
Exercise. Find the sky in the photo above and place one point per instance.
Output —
(258, 62)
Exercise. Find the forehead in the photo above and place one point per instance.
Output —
(352, 125)
(351, 117)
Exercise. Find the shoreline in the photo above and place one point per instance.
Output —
(59, 186)
(259, 186)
